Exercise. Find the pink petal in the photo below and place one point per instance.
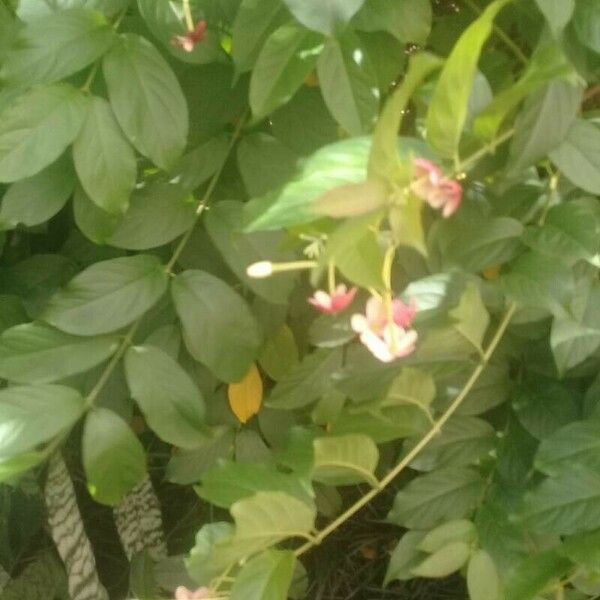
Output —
(378, 348)
(453, 193)
(404, 313)
(342, 298)
(321, 301)
(359, 323)
(198, 34)
(376, 314)
(425, 168)
(404, 340)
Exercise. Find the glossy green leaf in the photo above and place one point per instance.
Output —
(407, 20)
(254, 22)
(51, 47)
(199, 564)
(104, 160)
(445, 494)
(352, 200)
(36, 353)
(444, 561)
(201, 163)
(37, 199)
(325, 17)
(574, 444)
(11, 311)
(405, 557)
(459, 530)
(338, 164)
(265, 577)
(37, 127)
(384, 161)
(32, 415)
(289, 54)
(230, 482)
(539, 282)
(306, 382)
(169, 400)
(483, 581)
(107, 295)
(32, 9)
(448, 109)
(578, 157)
(566, 503)
(344, 460)
(94, 223)
(583, 549)
(543, 123)
(463, 441)
(412, 386)
(225, 224)
(113, 458)
(140, 85)
(349, 84)
(218, 328)
(587, 24)
(279, 354)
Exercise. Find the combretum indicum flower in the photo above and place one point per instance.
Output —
(430, 185)
(335, 301)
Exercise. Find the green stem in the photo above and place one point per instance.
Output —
(425, 440)
(490, 148)
(187, 11)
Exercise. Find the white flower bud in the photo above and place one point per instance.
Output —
(260, 270)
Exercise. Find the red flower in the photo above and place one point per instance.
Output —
(430, 185)
(191, 38)
(335, 302)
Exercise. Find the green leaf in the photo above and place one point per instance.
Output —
(37, 199)
(142, 578)
(462, 442)
(96, 224)
(412, 386)
(140, 85)
(583, 549)
(32, 9)
(229, 482)
(279, 354)
(544, 406)
(334, 165)
(407, 20)
(32, 415)
(567, 503)
(201, 163)
(444, 561)
(349, 83)
(325, 17)
(36, 353)
(352, 200)
(200, 565)
(569, 233)
(268, 518)
(344, 460)
(104, 160)
(534, 574)
(113, 458)
(11, 312)
(548, 63)
(265, 163)
(52, 47)
(11, 468)
(265, 577)
(472, 318)
(539, 282)
(254, 22)
(306, 382)
(405, 556)
(218, 328)
(448, 109)
(587, 24)
(557, 13)
(483, 581)
(543, 123)
(459, 530)
(574, 444)
(225, 223)
(287, 57)
(107, 295)
(37, 128)
(384, 160)
(445, 494)
(355, 250)
(169, 400)
(578, 157)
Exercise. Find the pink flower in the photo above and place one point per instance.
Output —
(189, 40)
(332, 303)
(386, 340)
(182, 593)
(431, 185)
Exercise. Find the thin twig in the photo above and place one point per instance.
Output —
(433, 432)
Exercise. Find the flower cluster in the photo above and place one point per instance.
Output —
(387, 338)
(191, 38)
(430, 185)
(338, 300)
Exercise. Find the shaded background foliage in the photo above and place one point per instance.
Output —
(139, 181)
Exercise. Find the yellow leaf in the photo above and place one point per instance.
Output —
(245, 397)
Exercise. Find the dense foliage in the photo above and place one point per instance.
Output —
(285, 250)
